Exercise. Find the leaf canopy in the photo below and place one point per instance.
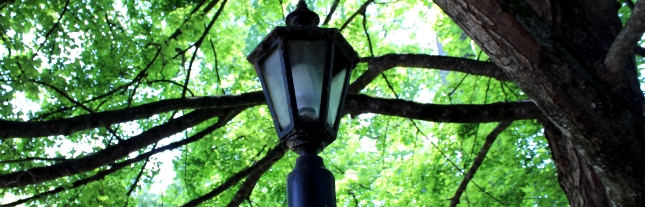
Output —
(64, 59)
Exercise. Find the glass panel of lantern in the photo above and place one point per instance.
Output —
(338, 75)
(307, 60)
(271, 69)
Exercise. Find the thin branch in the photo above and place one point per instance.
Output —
(136, 79)
(109, 154)
(359, 11)
(627, 39)
(70, 99)
(50, 31)
(136, 180)
(453, 163)
(331, 12)
(172, 83)
(378, 65)
(198, 45)
(478, 161)
(219, 79)
(271, 157)
(367, 34)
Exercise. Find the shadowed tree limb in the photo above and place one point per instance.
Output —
(378, 65)
(461, 113)
(478, 161)
(110, 153)
(15, 129)
(271, 157)
(627, 39)
(249, 184)
(355, 104)
(223, 120)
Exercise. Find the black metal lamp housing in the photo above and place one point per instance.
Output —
(304, 72)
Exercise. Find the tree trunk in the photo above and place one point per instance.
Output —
(580, 183)
(554, 51)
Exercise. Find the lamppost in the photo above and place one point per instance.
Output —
(304, 72)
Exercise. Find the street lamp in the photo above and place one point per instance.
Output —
(304, 71)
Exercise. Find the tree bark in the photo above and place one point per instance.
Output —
(581, 184)
(554, 51)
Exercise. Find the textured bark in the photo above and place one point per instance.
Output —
(582, 185)
(554, 51)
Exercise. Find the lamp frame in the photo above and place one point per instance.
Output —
(335, 45)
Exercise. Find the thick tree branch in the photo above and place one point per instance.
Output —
(478, 161)
(462, 113)
(627, 39)
(110, 153)
(269, 159)
(355, 104)
(116, 167)
(14, 129)
(378, 65)
(247, 186)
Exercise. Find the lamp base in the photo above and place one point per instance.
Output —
(308, 141)
(310, 184)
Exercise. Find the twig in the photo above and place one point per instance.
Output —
(359, 11)
(453, 163)
(56, 25)
(367, 34)
(198, 45)
(478, 161)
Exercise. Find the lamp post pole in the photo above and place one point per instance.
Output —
(310, 184)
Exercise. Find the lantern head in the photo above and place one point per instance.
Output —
(304, 71)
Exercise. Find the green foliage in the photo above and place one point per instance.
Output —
(108, 55)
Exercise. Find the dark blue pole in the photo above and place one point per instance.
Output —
(310, 184)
